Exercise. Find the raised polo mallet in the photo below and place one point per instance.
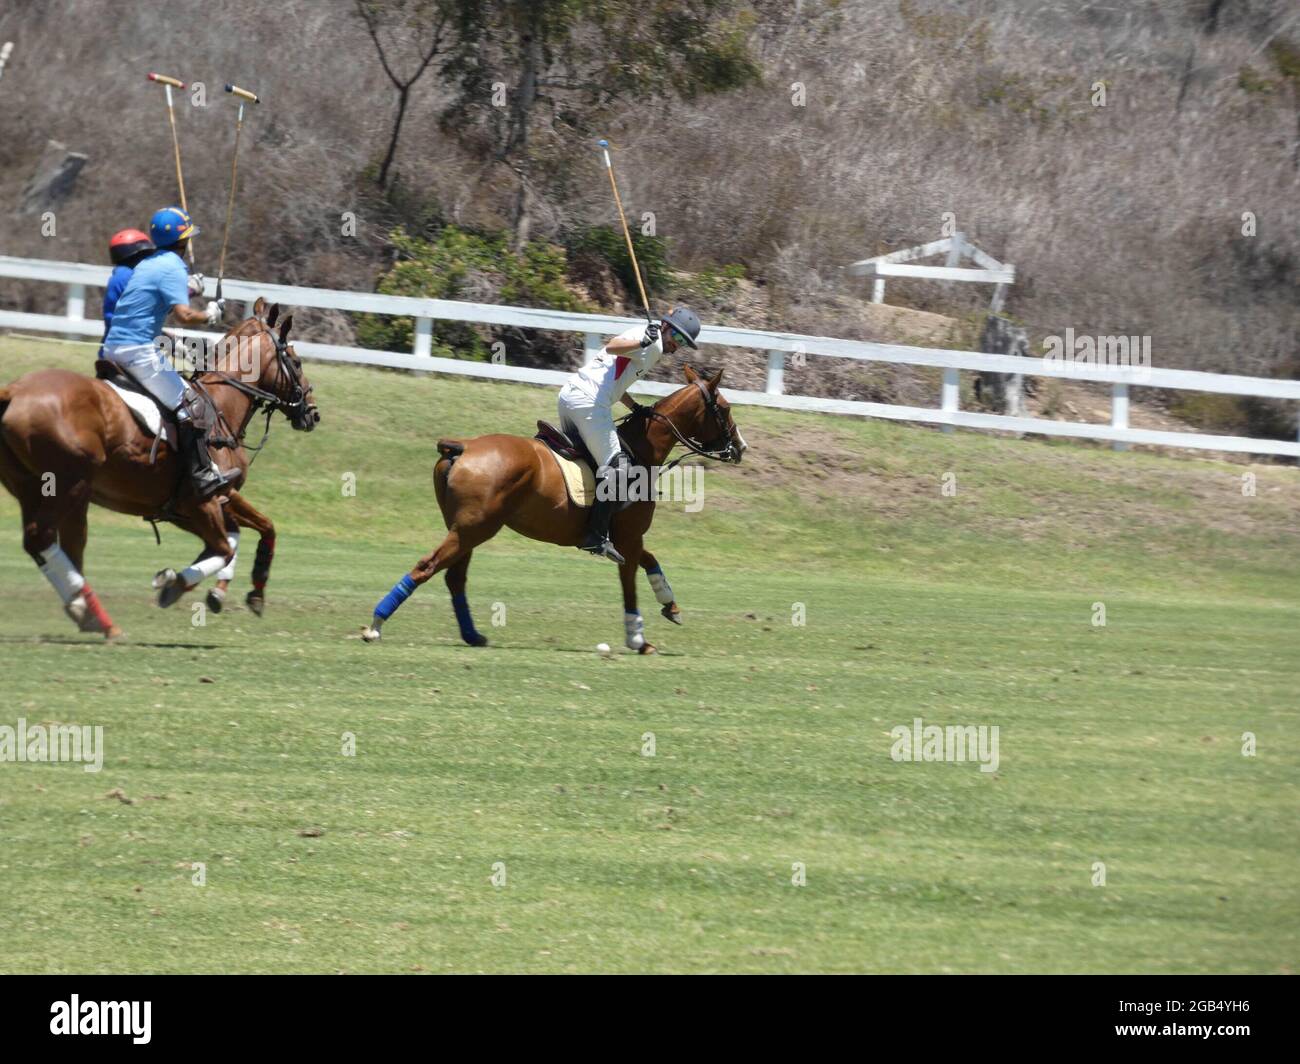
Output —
(636, 270)
(168, 84)
(242, 94)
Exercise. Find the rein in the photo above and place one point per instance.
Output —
(692, 446)
(260, 397)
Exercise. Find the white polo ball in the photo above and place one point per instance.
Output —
(603, 649)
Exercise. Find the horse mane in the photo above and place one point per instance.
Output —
(223, 349)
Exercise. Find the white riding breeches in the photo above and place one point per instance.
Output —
(594, 422)
(150, 370)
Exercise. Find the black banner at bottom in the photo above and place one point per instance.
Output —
(304, 1013)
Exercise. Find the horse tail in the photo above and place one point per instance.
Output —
(448, 452)
(6, 395)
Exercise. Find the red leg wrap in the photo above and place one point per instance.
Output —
(96, 610)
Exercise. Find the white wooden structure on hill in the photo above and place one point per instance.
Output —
(986, 270)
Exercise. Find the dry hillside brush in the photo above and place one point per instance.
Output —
(1123, 218)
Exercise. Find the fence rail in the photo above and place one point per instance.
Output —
(77, 277)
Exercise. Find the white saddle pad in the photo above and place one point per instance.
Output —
(147, 414)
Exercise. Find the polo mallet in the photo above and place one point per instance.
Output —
(168, 84)
(243, 95)
(627, 235)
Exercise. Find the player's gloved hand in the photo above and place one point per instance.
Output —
(214, 309)
(196, 284)
(651, 334)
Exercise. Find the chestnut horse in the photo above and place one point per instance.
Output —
(67, 440)
(490, 482)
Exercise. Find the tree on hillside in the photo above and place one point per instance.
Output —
(551, 69)
(413, 26)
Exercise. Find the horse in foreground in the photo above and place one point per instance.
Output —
(67, 440)
(492, 482)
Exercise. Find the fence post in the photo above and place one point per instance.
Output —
(955, 249)
(591, 345)
(1119, 411)
(76, 309)
(423, 338)
(878, 290)
(949, 394)
(775, 372)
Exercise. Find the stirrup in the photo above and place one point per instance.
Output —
(209, 481)
(604, 549)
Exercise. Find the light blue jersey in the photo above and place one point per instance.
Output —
(157, 284)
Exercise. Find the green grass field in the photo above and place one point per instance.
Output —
(1119, 744)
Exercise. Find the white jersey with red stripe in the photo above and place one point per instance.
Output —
(603, 380)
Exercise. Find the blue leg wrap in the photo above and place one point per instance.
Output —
(400, 593)
(467, 630)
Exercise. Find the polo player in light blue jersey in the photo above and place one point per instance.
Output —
(160, 287)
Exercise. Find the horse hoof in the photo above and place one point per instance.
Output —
(113, 634)
(255, 602)
(478, 640)
(672, 613)
(216, 600)
(80, 615)
(370, 635)
(171, 590)
(648, 648)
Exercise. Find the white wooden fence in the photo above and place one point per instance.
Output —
(77, 277)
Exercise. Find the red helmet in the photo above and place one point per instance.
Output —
(127, 244)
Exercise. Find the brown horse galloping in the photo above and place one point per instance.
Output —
(67, 440)
(490, 482)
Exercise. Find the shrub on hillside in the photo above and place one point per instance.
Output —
(456, 264)
(606, 245)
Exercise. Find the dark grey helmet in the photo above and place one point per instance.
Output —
(684, 320)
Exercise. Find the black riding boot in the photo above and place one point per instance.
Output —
(207, 479)
(602, 511)
(597, 538)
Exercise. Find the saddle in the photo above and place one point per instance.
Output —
(571, 447)
(155, 419)
(576, 463)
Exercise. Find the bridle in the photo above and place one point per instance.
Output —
(723, 420)
(294, 405)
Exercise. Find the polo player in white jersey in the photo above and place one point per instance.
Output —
(587, 401)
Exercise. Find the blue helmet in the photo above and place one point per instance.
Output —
(169, 226)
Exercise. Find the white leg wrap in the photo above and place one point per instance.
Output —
(663, 592)
(201, 570)
(228, 573)
(635, 629)
(61, 573)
